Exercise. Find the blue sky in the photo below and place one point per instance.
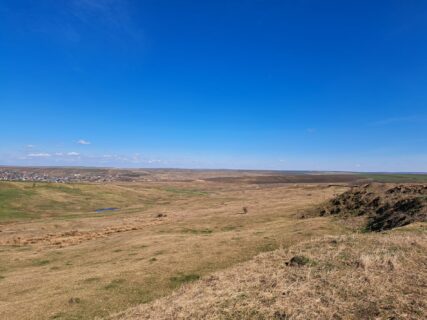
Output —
(316, 85)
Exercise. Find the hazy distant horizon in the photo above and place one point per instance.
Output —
(210, 169)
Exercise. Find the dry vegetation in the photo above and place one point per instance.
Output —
(363, 276)
(60, 259)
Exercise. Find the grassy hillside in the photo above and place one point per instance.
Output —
(59, 259)
(28, 200)
(69, 262)
(19, 200)
(359, 276)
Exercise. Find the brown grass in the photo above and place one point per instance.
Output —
(360, 276)
(164, 254)
(71, 263)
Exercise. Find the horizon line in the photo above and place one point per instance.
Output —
(212, 169)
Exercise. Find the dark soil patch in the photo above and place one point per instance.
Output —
(385, 206)
(183, 278)
(298, 261)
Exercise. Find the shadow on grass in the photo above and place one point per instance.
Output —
(180, 279)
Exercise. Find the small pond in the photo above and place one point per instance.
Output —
(106, 209)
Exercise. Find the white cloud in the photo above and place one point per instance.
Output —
(84, 142)
(59, 154)
(42, 155)
(154, 161)
(30, 146)
(73, 153)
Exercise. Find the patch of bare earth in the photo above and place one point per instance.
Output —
(363, 276)
(383, 206)
(74, 237)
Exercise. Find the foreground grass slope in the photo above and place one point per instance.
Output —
(358, 276)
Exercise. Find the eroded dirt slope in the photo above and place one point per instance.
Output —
(386, 206)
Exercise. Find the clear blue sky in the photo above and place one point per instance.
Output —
(320, 85)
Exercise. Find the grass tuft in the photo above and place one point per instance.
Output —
(40, 262)
(115, 284)
(183, 278)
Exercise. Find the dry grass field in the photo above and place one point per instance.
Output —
(61, 259)
(360, 276)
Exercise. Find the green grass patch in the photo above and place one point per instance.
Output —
(142, 246)
(68, 189)
(190, 192)
(396, 177)
(40, 262)
(230, 228)
(20, 200)
(59, 315)
(115, 284)
(266, 247)
(180, 279)
(9, 193)
(91, 279)
(10, 200)
(301, 261)
(197, 231)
